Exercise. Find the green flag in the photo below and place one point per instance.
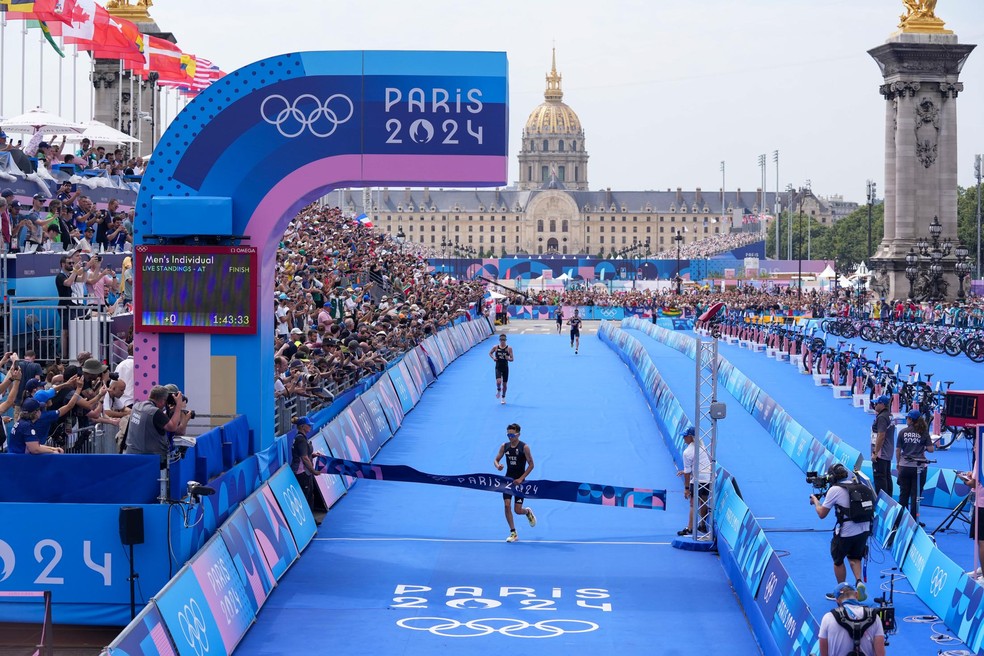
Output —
(47, 35)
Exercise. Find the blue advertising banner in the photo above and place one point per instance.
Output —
(380, 427)
(338, 444)
(887, 513)
(295, 508)
(253, 569)
(752, 551)
(774, 580)
(794, 628)
(146, 635)
(204, 606)
(412, 384)
(331, 488)
(75, 551)
(916, 560)
(390, 400)
(432, 348)
(965, 615)
(397, 376)
(730, 513)
(903, 538)
(271, 531)
(940, 582)
(353, 432)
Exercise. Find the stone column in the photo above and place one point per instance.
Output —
(920, 88)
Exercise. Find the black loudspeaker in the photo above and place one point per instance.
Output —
(131, 525)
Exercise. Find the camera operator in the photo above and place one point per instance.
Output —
(850, 539)
(171, 407)
(836, 638)
(149, 424)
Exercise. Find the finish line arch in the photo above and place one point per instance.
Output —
(261, 143)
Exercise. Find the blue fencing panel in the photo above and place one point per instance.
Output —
(208, 455)
(253, 569)
(237, 433)
(294, 507)
(270, 527)
(70, 478)
(146, 635)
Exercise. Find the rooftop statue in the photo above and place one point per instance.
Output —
(920, 16)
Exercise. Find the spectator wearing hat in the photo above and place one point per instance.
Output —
(851, 627)
(910, 453)
(882, 445)
(33, 425)
(302, 459)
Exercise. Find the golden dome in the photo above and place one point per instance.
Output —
(553, 116)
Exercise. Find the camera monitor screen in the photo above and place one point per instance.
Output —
(187, 289)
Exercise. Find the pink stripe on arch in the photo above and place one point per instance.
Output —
(448, 170)
(147, 358)
(320, 174)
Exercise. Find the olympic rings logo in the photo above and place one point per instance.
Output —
(307, 112)
(770, 587)
(448, 628)
(937, 582)
(294, 504)
(193, 627)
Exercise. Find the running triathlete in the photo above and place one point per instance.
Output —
(519, 464)
(502, 355)
(575, 324)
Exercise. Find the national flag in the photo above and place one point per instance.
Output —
(43, 26)
(83, 25)
(14, 7)
(165, 58)
(364, 220)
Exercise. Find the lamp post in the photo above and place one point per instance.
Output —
(400, 238)
(859, 283)
(935, 251)
(678, 238)
(978, 166)
(911, 259)
(871, 202)
(799, 251)
(962, 268)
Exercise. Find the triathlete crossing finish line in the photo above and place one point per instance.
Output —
(591, 493)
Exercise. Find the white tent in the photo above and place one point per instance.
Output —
(98, 132)
(827, 274)
(38, 121)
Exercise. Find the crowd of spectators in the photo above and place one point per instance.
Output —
(710, 246)
(42, 155)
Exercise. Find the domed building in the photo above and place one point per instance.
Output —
(553, 148)
(552, 210)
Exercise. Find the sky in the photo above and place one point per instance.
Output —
(665, 91)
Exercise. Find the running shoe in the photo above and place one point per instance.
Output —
(498, 393)
(684, 531)
(530, 517)
(575, 351)
(862, 591)
(512, 537)
(503, 401)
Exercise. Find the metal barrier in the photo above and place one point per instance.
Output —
(36, 323)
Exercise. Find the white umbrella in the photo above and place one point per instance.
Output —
(99, 132)
(38, 121)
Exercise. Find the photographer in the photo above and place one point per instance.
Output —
(850, 539)
(149, 423)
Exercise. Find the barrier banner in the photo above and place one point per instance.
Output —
(752, 551)
(590, 493)
(793, 627)
(271, 531)
(398, 376)
(205, 606)
(730, 515)
(903, 538)
(332, 488)
(354, 434)
(253, 569)
(146, 635)
(844, 452)
(965, 616)
(339, 444)
(940, 581)
(774, 580)
(887, 513)
(427, 362)
(294, 506)
(432, 349)
(381, 432)
(914, 566)
(390, 400)
(416, 369)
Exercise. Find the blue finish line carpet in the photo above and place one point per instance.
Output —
(405, 568)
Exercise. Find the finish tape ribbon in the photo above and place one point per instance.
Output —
(590, 493)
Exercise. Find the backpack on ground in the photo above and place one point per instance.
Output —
(862, 503)
(855, 627)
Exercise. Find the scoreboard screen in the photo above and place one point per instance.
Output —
(187, 289)
(964, 408)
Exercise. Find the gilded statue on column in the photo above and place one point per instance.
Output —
(135, 10)
(920, 18)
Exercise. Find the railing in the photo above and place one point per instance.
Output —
(51, 330)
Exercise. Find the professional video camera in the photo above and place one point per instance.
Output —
(822, 482)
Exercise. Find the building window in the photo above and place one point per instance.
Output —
(623, 241)
(563, 225)
(481, 239)
(470, 239)
(577, 175)
(574, 148)
(491, 239)
(603, 239)
(481, 228)
(471, 228)
(560, 171)
(544, 174)
(613, 229)
(529, 173)
(539, 225)
(560, 145)
(546, 146)
(587, 228)
(623, 228)
(553, 225)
